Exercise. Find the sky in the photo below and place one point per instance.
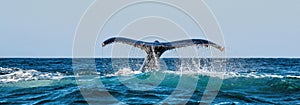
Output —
(251, 28)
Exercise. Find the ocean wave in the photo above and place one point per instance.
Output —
(203, 72)
(9, 75)
(259, 75)
(124, 72)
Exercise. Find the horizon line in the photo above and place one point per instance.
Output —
(143, 57)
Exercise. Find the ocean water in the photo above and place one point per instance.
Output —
(119, 81)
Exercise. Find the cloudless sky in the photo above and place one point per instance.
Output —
(251, 28)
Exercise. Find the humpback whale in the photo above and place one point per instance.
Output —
(155, 49)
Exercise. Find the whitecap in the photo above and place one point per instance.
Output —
(9, 75)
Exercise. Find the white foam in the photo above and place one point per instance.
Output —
(200, 72)
(290, 76)
(16, 75)
(124, 72)
(221, 75)
(257, 75)
(227, 103)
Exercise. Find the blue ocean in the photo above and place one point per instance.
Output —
(119, 81)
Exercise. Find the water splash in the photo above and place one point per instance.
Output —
(8, 75)
(124, 72)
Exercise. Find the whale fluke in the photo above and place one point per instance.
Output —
(155, 49)
(135, 43)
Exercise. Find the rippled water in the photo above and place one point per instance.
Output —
(52, 81)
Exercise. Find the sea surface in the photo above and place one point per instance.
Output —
(119, 81)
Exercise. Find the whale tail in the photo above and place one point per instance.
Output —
(155, 49)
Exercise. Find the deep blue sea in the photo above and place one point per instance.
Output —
(119, 81)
